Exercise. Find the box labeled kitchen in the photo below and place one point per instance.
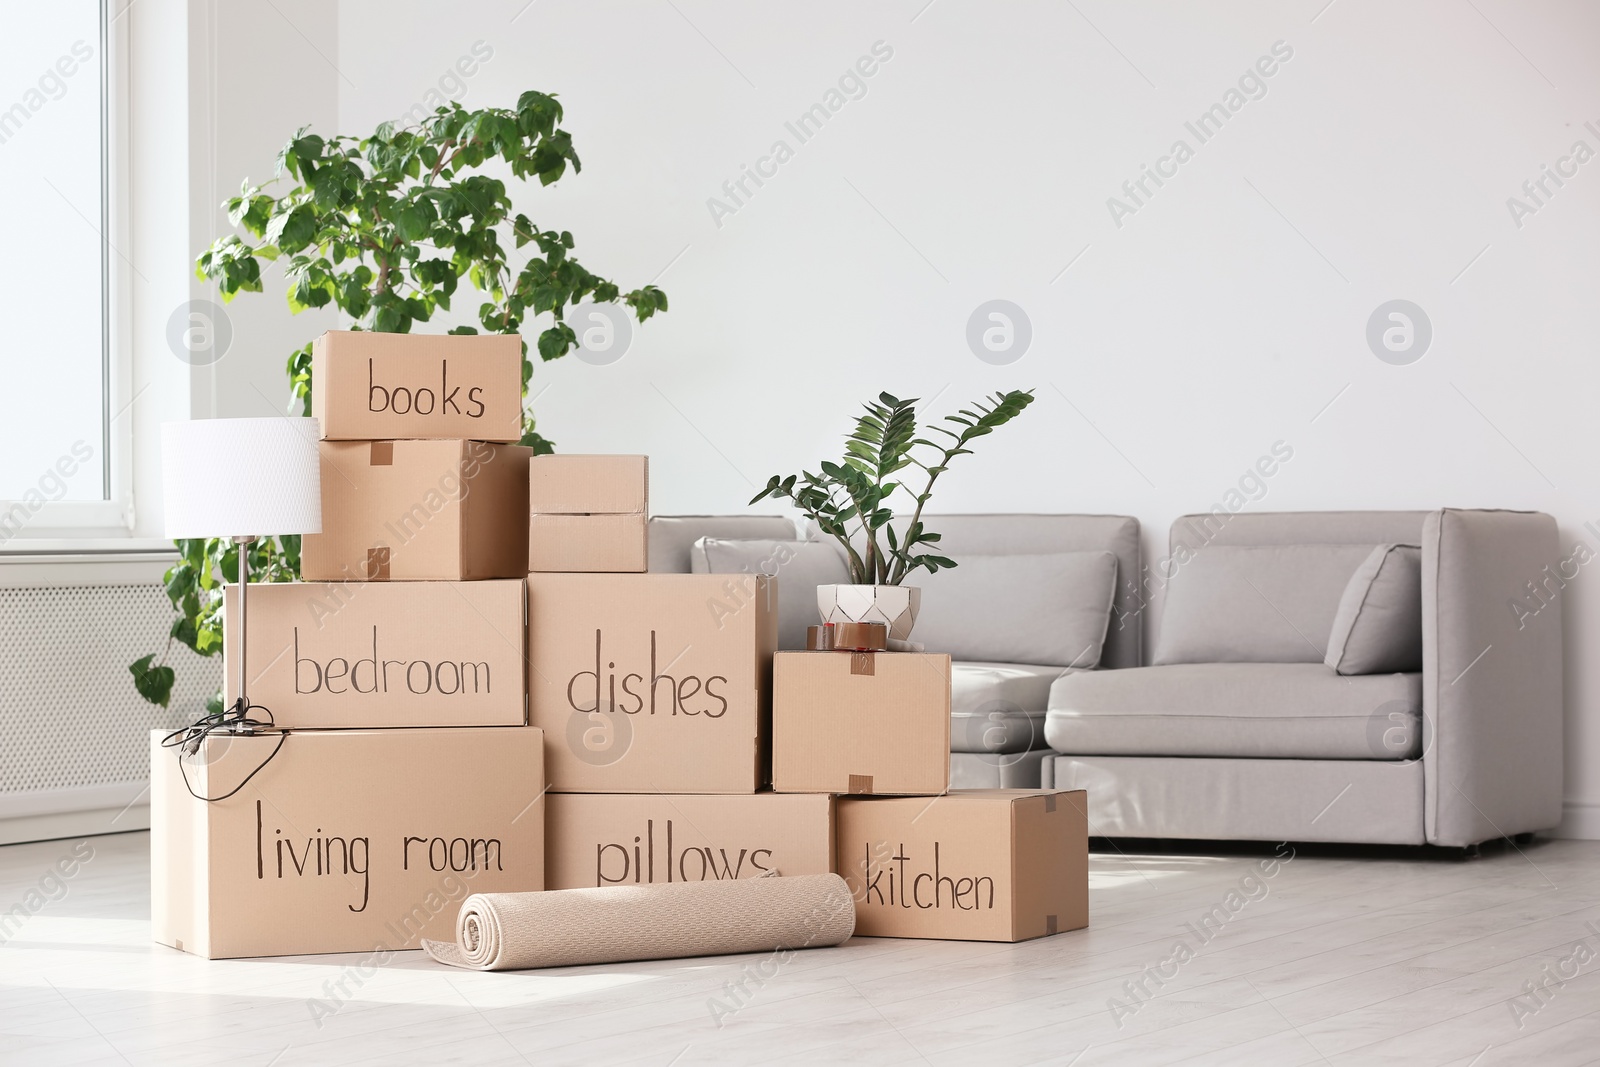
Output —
(651, 683)
(419, 511)
(601, 839)
(588, 513)
(975, 865)
(380, 654)
(861, 722)
(391, 386)
(343, 840)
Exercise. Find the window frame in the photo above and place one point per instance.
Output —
(111, 517)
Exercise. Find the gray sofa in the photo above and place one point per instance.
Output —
(1464, 750)
(997, 706)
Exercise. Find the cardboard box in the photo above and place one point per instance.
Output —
(599, 839)
(345, 841)
(652, 683)
(419, 511)
(368, 654)
(588, 513)
(861, 722)
(976, 865)
(393, 386)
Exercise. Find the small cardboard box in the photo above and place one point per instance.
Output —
(370, 654)
(652, 683)
(419, 511)
(861, 722)
(344, 841)
(976, 865)
(392, 386)
(599, 839)
(588, 513)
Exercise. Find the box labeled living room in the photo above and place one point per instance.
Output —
(919, 532)
(329, 841)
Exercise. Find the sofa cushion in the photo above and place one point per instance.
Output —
(1257, 604)
(1047, 609)
(1378, 627)
(1251, 710)
(999, 707)
(672, 537)
(801, 566)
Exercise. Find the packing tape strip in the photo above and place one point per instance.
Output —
(848, 637)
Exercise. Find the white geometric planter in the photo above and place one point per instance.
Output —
(893, 605)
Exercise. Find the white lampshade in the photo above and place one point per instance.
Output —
(241, 477)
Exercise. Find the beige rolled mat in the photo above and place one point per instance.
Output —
(566, 927)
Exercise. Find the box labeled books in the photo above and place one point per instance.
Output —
(395, 386)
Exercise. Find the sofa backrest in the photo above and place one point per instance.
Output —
(1297, 528)
(1264, 587)
(1028, 535)
(670, 536)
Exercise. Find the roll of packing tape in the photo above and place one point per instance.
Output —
(819, 638)
(860, 637)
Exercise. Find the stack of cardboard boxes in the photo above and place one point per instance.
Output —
(352, 832)
(978, 865)
(654, 691)
(435, 697)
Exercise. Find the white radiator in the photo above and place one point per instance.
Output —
(74, 735)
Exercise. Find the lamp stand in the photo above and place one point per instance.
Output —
(242, 705)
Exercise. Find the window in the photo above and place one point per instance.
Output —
(58, 435)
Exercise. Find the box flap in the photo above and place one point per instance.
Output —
(594, 544)
(589, 485)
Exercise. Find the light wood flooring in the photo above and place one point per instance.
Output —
(1343, 956)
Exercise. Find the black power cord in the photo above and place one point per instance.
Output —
(235, 722)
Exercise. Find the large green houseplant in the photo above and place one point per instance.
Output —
(384, 228)
(853, 502)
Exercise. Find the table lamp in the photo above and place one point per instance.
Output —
(241, 479)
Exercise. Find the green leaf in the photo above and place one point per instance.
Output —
(387, 227)
(154, 683)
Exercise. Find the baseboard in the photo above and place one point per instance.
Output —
(50, 827)
(1580, 820)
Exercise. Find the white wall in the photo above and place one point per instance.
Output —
(1223, 316)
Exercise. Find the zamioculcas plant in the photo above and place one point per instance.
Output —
(384, 228)
(852, 500)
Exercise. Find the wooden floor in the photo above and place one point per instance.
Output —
(1339, 957)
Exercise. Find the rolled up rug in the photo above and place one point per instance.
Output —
(568, 927)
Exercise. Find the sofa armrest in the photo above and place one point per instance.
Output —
(1491, 682)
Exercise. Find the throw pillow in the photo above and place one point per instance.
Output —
(801, 566)
(1378, 628)
(1255, 604)
(1050, 610)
